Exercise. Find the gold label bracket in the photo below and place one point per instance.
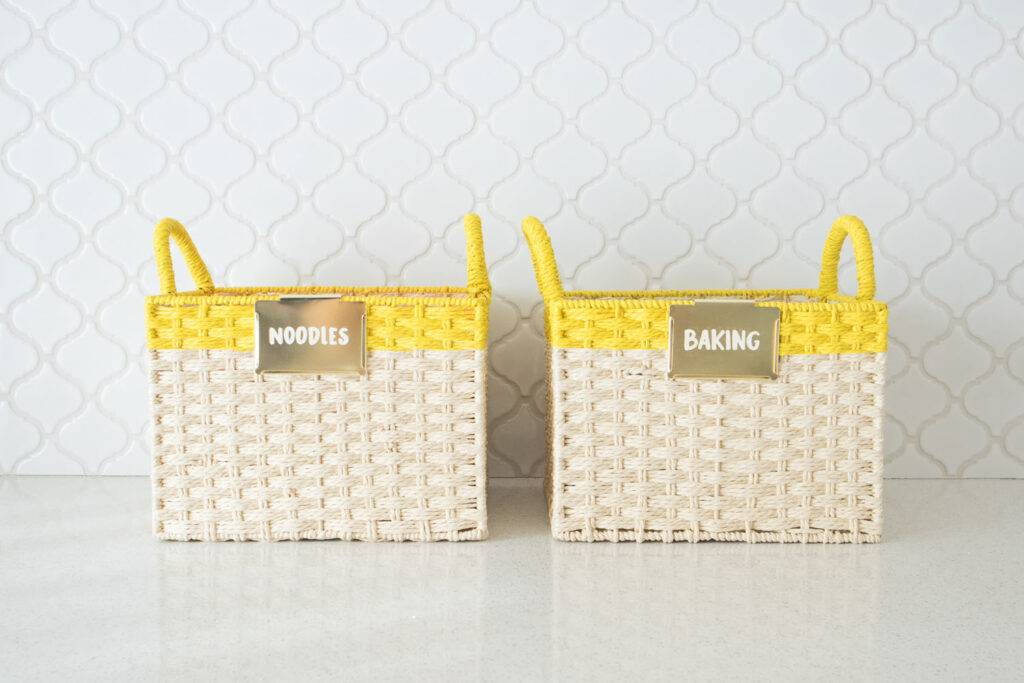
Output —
(723, 339)
(311, 335)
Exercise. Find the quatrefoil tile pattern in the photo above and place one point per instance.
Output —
(667, 144)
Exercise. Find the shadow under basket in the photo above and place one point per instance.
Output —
(395, 454)
(637, 455)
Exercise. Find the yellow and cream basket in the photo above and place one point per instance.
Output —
(397, 453)
(636, 454)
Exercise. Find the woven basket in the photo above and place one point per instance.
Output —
(635, 455)
(398, 453)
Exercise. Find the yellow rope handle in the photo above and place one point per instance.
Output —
(166, 230)
(476, 264)
(828, 283)
(544, 265)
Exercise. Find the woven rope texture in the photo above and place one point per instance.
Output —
(397, 318)
(396, 454)
(638, 456)
(395, 323)
(812, 321)
(804, 327)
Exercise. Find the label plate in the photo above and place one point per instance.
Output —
(313, 335)
(723, 339)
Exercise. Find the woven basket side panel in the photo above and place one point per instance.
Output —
(549, 428)
(396, 454)
(639, 456)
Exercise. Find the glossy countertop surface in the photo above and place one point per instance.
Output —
(87, 594)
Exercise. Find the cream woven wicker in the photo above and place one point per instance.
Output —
(637, 456)
(396, 454)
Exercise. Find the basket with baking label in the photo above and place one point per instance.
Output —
(730, 415)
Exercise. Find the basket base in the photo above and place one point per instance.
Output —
(464, 535)
(688, 536)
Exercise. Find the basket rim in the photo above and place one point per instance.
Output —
(663, 298)
(396, 295)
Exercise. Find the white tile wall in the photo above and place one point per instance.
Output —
(668, 144)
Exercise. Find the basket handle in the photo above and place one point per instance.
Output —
(543, 255)
(828, 283)
(476, 264)
(169, 229)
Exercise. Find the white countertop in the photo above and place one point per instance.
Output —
(87, 594)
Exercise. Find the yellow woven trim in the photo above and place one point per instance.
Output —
(397, 318)
(604, 320)
(444, 319)
(827, 323)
